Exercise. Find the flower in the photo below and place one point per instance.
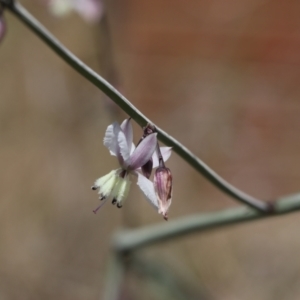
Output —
(90, 10)
(116, 184)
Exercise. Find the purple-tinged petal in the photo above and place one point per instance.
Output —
(127, 129)
(132, 148)
(147, 188)
(2, 28)
(123, 149)
(143, 152)
(165, 152)
(111, 138)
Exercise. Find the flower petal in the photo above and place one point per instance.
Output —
(143, 152)
(147, 188)
(111, 138)
(121, 190)
(102, 180)
(165, 152)
(123, 148)
(106, 184)
(127, 129)
(132, 148)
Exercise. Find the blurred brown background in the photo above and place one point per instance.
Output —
(222, 77)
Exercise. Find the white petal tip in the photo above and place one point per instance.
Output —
(164, 213)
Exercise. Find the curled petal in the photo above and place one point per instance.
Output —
(111, 138)
(127, 129)
(165, 152)
(147, 188)
(143, 152)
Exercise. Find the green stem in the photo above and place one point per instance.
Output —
(127, 240)
(114, 278)
(21, 13)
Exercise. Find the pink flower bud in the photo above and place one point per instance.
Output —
(163, 190)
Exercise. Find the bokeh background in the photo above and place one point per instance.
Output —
(222, 76)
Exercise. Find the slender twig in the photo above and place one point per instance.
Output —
(114, 278)
(127, 240)
(22, 14)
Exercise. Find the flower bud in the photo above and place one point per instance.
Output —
(149, 129)
(163, 190)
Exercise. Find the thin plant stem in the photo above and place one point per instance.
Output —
(130, 240)
(114, 278)
(22, 14)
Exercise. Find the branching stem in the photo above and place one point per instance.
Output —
(22, 14)
(130, 240)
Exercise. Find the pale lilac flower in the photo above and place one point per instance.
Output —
(116, 184)
(90, 10)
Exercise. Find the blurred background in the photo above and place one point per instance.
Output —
(221, 76)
